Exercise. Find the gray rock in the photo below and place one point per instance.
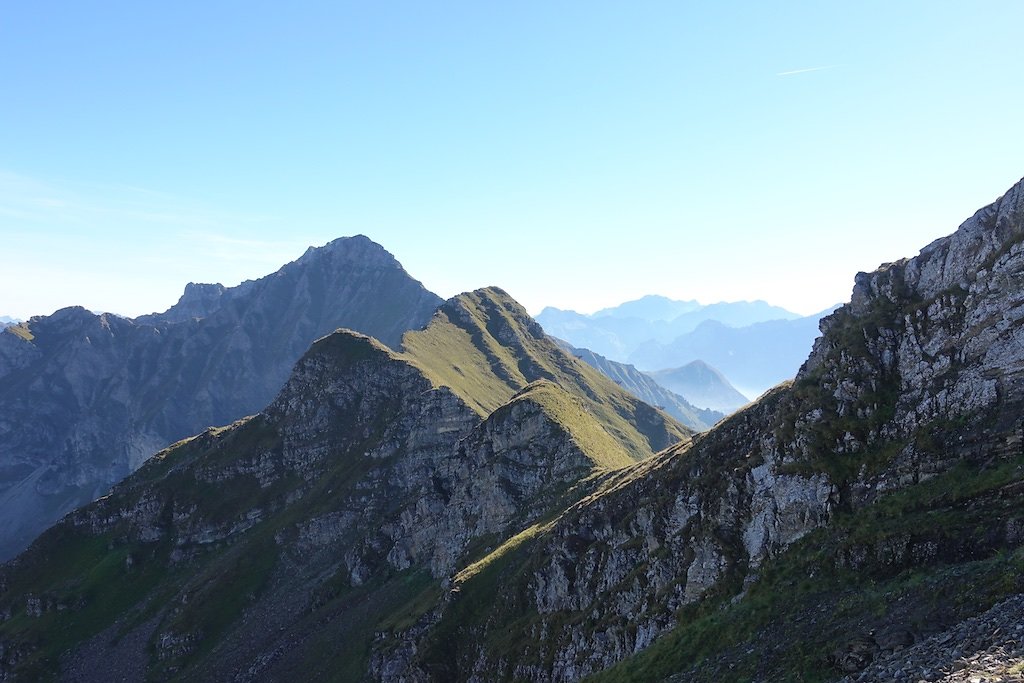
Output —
(85, 399)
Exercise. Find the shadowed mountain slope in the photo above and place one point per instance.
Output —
(280, 546)
(86, 398)
(841, 516)
(381, 520)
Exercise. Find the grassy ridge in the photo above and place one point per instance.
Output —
(224, 509)
(570, 412)
(485, 347)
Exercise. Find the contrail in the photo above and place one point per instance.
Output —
(803, 71)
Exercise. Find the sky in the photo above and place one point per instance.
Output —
(576, 154)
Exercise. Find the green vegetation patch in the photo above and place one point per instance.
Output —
(21, 330)
(447, 354)
(569, 412)
(929, 555)
(485, 348)
(97, 581)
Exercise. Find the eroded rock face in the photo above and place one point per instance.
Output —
(930, 341)
(378, 472)
(464, 547)
(656, 540)
(434, 472)
(927, 347)
(86, 398)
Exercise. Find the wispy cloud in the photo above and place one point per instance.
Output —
(69, 205)
(126, 249)
(807, 70)
(228, 248)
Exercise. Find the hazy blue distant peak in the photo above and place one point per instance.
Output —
(702, 385)
(553, 312)
(746, 312)
(712, 324)
(632, 331)
(8, 320)
(753, 357)
(654, 308)
(651, 308)
(647, 389)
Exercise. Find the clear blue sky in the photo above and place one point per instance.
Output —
(576, 154)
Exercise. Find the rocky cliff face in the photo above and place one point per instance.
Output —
(85, 398)
(610, 574)
(918, 375)
(338, 513)
(482, 506)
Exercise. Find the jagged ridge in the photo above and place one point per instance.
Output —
(486, 347)
(493, 548)
(85, 398)
(259, 547)
(907, 413)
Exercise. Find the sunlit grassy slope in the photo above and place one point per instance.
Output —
(486, 348)
(482, 345)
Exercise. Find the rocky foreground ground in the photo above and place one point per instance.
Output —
(988, 648)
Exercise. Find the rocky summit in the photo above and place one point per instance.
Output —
(482, 506)
(286, 544)
(86, 398)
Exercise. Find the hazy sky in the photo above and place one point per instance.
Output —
(575, 154)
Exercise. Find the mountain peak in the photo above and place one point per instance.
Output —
(217, 355)
(485, 347)
(358, 249)
(568, 412)
(492, 307)
(703, 385)
(197, 301)
(956, 260)
(349, 346)
(650, 308)
(372, 525)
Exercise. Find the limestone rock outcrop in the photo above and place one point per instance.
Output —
(481, 506)
(86, 398)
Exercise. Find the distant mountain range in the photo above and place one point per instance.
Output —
(476, 504)
(373, 475)
(616, 332)
(650, 308)
(649, 390)
(703, 385)
(753, 344)
(86, 398)
(754, 357)
(6, 320)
